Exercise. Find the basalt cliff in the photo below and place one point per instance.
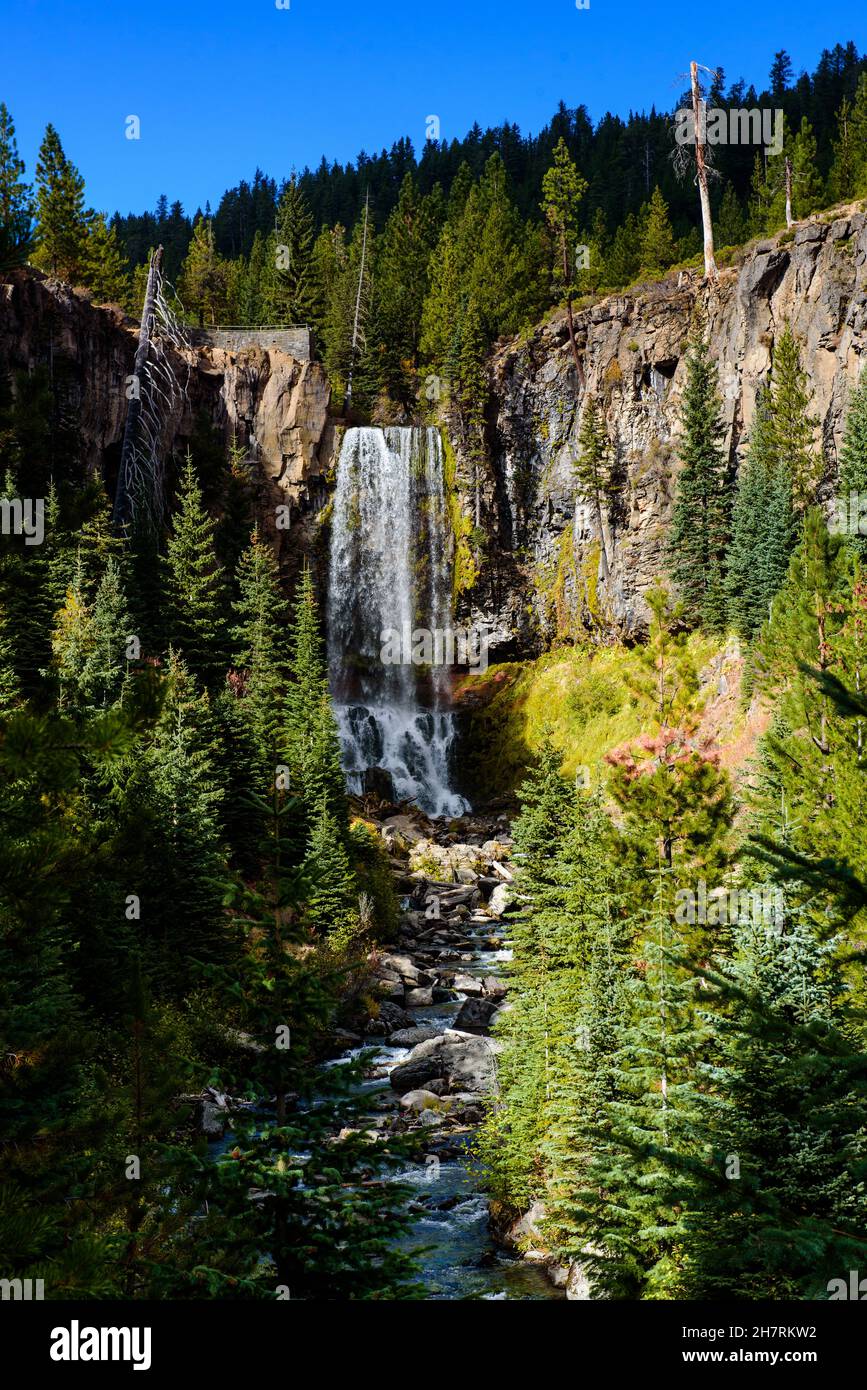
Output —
(537, 564)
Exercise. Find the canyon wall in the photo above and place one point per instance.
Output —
(544, 577)
(270, 401)
(530, 563)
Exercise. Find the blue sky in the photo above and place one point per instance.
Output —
(223, 85)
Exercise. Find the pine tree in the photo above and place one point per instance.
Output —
(853, 467)
(312, 743)
(260, 654)
(763, 530)
(16, 202)
(701, 517)
(333, 897)
(562, 190)
(793, 428)
(731, 227)
(592, 468)
(194, 584)
(176, 793)
(776, 1210)
(204, 280)
(63, 220)
(658, 250)
(105, 270)
(293, 293)
(515, 1131)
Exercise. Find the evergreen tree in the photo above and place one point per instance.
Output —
(260, 655)
(105, 270)
(776, 1209)
(16, 203)
(793, 428)
(175, 794)
(731, 226)
(658, 250)
(763, 530)
(853, 467)
(333, 896)
(312, 743)
(701, 517)
(63, 220)
(194, 584)
(204, 280)
(593, 472)
(292, 293)
(562, 191)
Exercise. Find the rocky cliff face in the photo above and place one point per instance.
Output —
(545, 573)
(542, 574)
(270, 401)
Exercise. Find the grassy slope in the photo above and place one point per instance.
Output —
(582, 698)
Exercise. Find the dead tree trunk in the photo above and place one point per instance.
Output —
(347, 405)
(569, 316)
(124, 500)
(701, 173)
(789, 218)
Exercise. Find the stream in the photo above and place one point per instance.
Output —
(461, 1259)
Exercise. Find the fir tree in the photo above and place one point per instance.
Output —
(853, 467)
(792, 426)
(63, 220)
(701, 517)
(204, 280)
(657, 239)
(16, 203)
(194, 584)
(293, 294)
(593, 470)
(312, 743)
(763, 530)
(333, 896)
(105, 270)
(731, 227)
(260, 654)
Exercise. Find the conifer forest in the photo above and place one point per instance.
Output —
(433, 670)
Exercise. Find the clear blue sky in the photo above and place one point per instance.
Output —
(221, 86)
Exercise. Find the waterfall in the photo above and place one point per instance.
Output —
(391, 571)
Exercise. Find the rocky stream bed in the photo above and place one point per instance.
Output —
(440, 988)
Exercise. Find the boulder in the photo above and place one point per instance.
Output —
(495, 988)
(475, 1015)
(392, 1016)
(411, 1037)
(500, 900)
(419, 998)
(378, 782)
(420, 1100)
(467, 984)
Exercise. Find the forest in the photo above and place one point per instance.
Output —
(195, 909)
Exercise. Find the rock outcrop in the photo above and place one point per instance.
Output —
(545, 575)
(274, 404)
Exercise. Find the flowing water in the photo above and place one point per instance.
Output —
(460, 1259)
(390, 576)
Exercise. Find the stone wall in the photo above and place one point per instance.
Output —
(295, 342)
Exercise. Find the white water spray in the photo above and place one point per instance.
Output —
(390, 568)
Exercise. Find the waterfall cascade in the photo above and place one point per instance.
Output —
(390, 572)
